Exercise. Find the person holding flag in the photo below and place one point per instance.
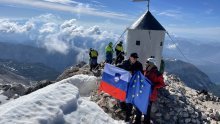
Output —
(115, 81)
(128, 85)
(138, 94)
(157, 82)
(131, 65)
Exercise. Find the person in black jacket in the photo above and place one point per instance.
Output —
(131, 65)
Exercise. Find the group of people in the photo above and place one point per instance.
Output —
(132, 65)
(153, 74)
(93, 54)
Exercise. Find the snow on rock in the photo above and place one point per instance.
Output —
(89, 113)
(86, 84)
(59, 103)
(3, 99)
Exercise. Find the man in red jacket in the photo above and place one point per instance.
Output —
(156, 78)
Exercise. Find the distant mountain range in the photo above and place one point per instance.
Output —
(31, 71)
(19, 72)
(191, 76)
(8, 77)
(205, 56)
(29, 54)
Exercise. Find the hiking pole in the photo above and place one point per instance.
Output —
(120, 37)
(118, 41)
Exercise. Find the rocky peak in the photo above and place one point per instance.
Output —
(176, 103)
(81, 68)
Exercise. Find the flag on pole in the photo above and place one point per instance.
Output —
(139, 91)
(115, 81)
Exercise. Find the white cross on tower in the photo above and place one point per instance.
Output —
(148, 3)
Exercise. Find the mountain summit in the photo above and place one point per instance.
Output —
(74, 99)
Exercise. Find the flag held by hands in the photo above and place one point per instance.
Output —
(115, 81)
(139, 91)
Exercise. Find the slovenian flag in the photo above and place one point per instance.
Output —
(115, 81)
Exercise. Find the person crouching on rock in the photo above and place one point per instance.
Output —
(156, 78)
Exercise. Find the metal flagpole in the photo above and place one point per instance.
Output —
(148, 5)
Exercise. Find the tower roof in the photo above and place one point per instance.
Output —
(147, 22)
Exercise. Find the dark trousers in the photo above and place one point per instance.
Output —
(127, 108)
(128, 111)
(109, 57)
(93, 63)
(146, 117)
(119, 57)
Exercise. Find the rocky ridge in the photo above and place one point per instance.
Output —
(177, 103)
(14, 90)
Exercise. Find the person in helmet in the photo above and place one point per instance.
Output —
(93, 54)
(109, 53)
(119, 53)
(151, 72)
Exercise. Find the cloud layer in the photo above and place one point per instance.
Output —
(7, 26)
(57, 35)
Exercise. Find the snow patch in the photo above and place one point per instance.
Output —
(86, 84)
(172, 46)
(59, 103)
(89, 113)
(3, 99)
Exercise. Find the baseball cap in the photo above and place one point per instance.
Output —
(134, 55)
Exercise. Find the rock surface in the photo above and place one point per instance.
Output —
(81, 68)
(176, 103)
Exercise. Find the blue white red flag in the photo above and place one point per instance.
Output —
(115, 81)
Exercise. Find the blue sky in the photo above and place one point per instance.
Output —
(197, 19)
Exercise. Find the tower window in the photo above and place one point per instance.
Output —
(161, 43)
(138, 43)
